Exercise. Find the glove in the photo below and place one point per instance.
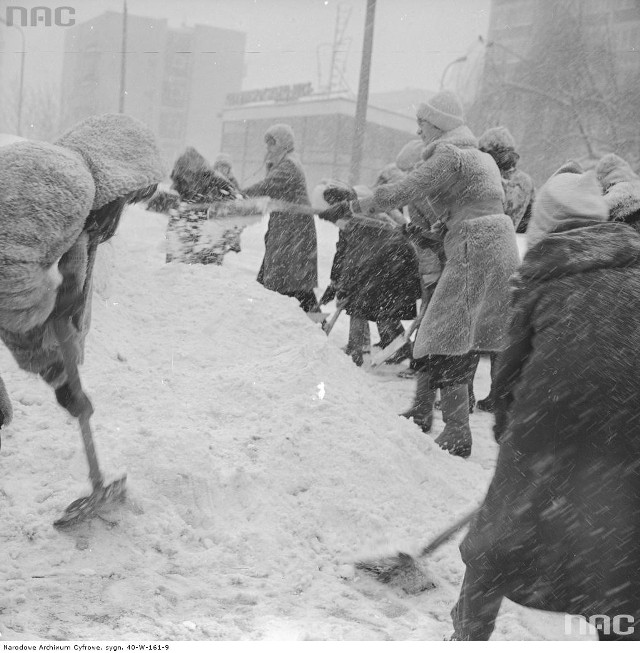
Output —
(76, 405)
(423, 239)
(339, 211)
(328, 295)
(341, 300)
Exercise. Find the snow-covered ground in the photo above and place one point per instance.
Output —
(261, 463)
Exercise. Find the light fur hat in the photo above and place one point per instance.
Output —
(443, 110)
(410, 155)
(222, 159)
(566, 196)
(283, 136)
(120, 151)
(612, 169)
(496, 138)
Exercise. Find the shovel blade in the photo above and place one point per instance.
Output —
(87, 507)
(386, 353)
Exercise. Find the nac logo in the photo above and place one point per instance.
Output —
(37, 16)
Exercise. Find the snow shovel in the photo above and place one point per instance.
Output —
(101, 495)
(398, 343)
(403, 570)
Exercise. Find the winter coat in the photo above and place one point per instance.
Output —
(377, 270)
(58, 202)
(519, 193)
(560, 526)
(462, 188)
(290, 261)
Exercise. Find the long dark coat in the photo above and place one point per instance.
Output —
(290, 261)
(560, 526)
(377, 269)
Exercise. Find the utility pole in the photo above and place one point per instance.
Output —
(123, 60)
(363, 95)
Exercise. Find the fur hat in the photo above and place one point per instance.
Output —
(121, 153)
(47, 194)
(410, 155)
(283, 136)
(443, 110)
(222, 159)
(566, 196)
(496, 138)
(612, 169)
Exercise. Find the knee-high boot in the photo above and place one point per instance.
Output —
(422, 410)
(456, 435)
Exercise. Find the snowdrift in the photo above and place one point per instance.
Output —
(261, 464)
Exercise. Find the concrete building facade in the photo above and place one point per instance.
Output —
(323, 128)
(177, 79)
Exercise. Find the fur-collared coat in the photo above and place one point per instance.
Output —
(290, 261)
(560, 526)
(462, 187)
(58, 202)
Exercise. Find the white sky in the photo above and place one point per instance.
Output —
(414, 39)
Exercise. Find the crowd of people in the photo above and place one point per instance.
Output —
(559, 528)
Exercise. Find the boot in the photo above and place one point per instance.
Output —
(488, 404)
(422, 410)
(456, 435)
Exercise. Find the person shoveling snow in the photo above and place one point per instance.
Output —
(59, 202)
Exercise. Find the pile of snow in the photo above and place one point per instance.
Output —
(6, 139)
(261, 463)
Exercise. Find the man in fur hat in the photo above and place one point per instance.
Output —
(59, 202)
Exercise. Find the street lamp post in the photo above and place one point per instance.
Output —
(448, 66)
(21, 90)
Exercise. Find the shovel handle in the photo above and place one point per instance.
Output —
(445, 536)
(331, 323)
(65, 335)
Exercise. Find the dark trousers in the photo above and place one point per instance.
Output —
(474, 615)
(445, 371)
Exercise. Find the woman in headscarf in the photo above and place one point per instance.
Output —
(290, 264)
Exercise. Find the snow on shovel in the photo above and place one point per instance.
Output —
(399, 342)
(406, 571)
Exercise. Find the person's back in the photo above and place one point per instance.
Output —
(518, 186)
(560, 526)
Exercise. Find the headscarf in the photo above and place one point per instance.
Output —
(285, 144)
(566, 196)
